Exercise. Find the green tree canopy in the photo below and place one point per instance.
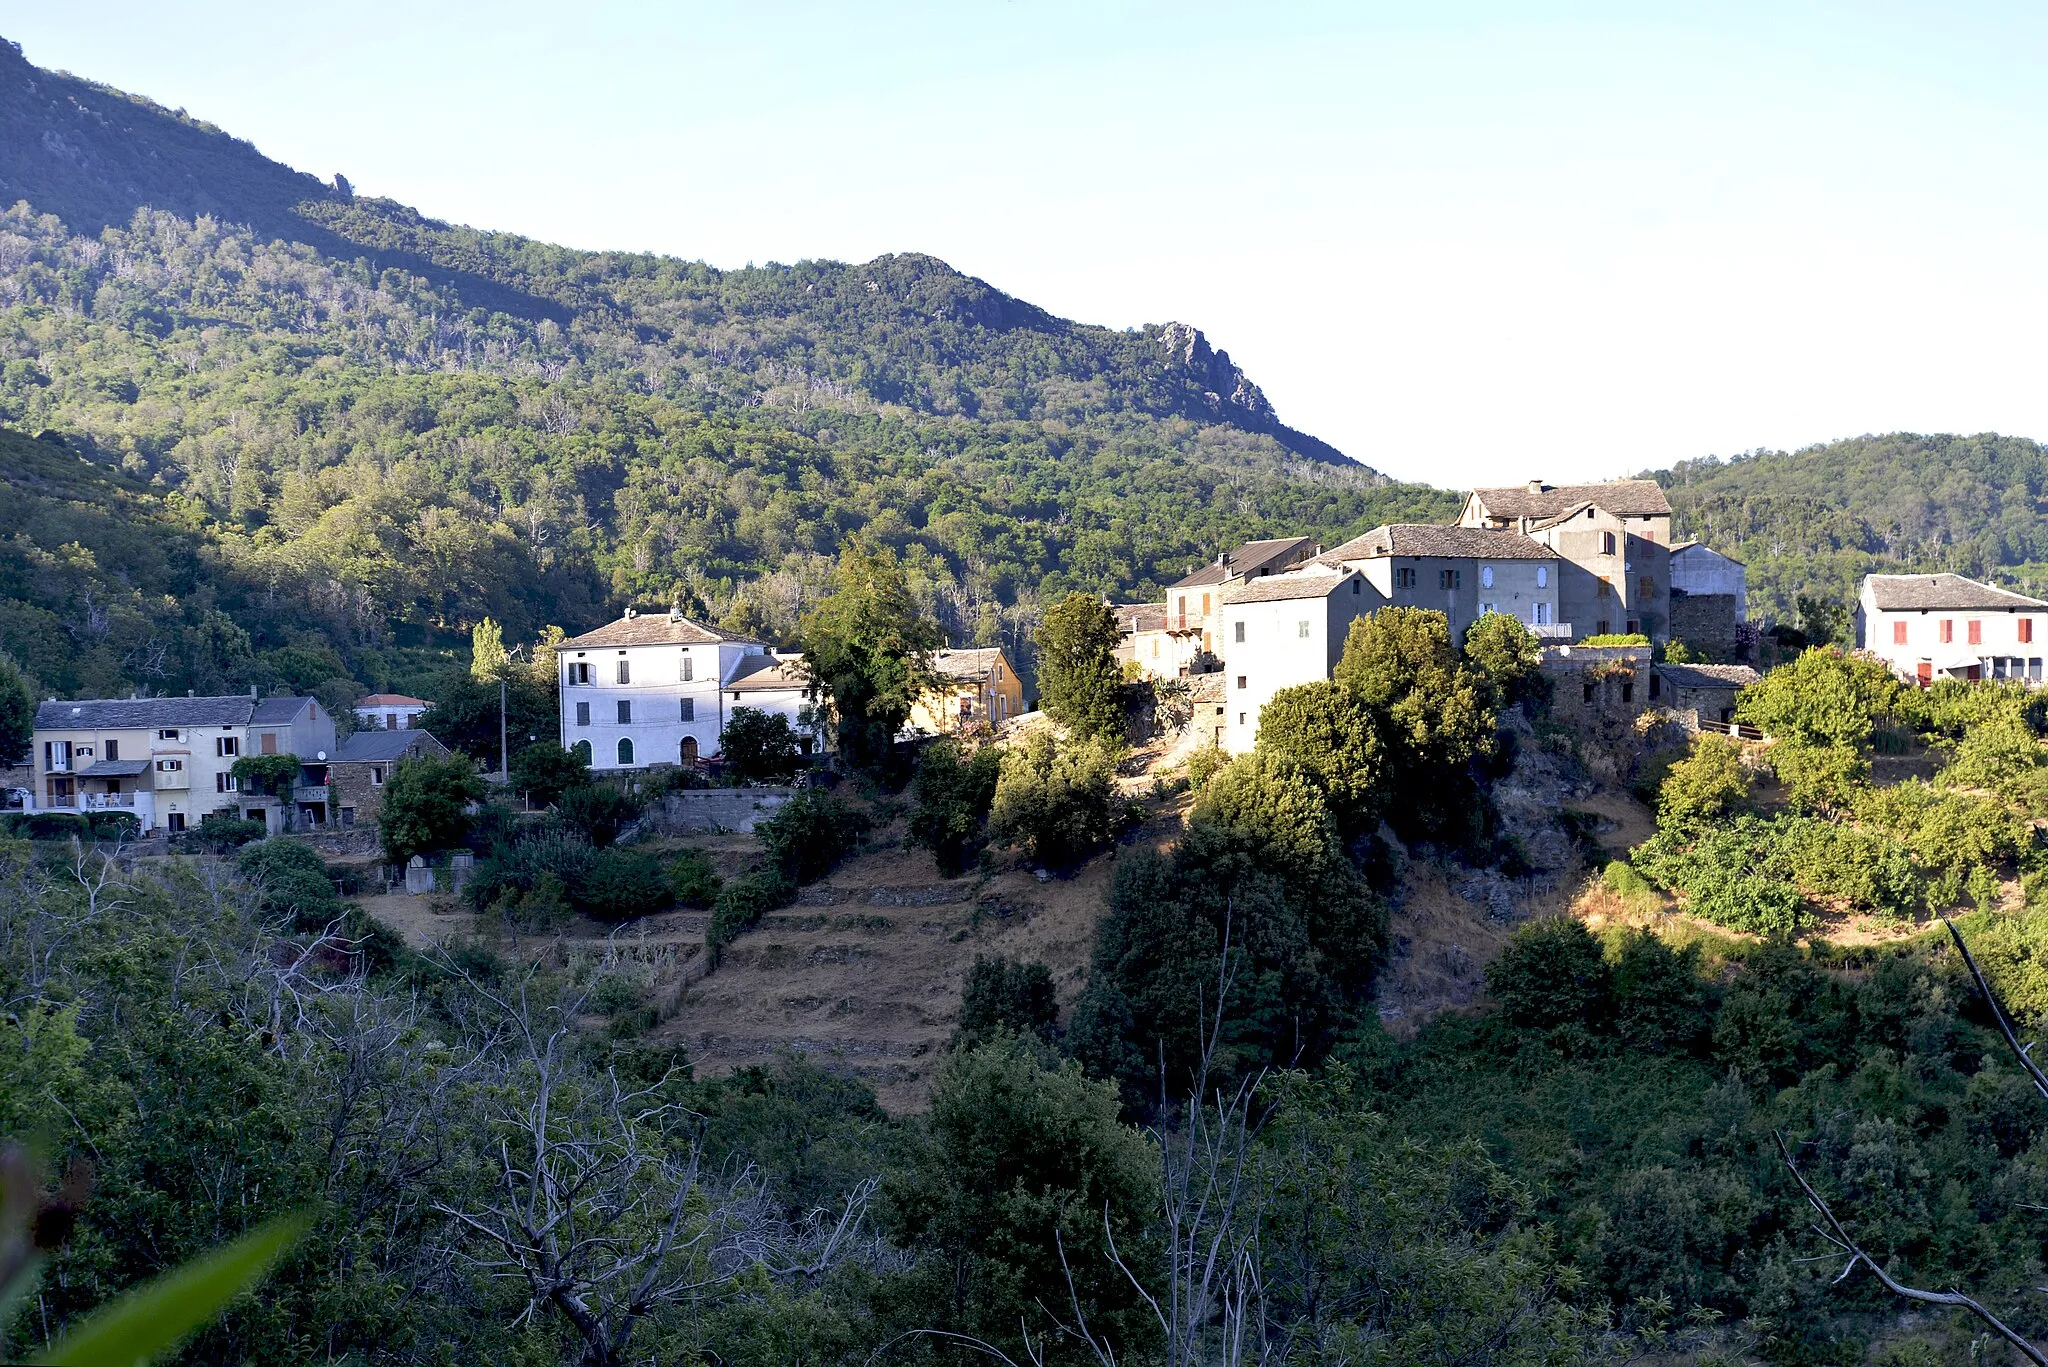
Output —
(760, 747)
(1079, 683)
(871, 648)
(1332, 736)
(1055, 799)
(488, 662)
(425, 805)
(17, 714)
(545, 771)
(1710, 782)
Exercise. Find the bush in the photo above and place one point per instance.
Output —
(742, 903)
(1331, 737)
(80, 826)
(1709, 783)
(1005, 996)
(620, 885)
(760, 747)
(1204, 764)
(1616, 638)
(953, 797)
(692, 879)
(1507, 655)
(545, 771)
(598, 811)
(293, 880)
(1552, 975)
(426, 805)
(810, 835)
(1054, 801)
(520, 866)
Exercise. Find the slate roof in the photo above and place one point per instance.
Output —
(1281, 588)
(767, 674)
(1633, 497)
(1419, 538)
(656, 629)
(277, 711)
(967, 666)
(1249, 561)
(389, 700)
(1708, 676)
(383, 747)
(1910, 592)
(143, 714)
(115, 768)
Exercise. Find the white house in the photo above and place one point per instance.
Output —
(1943, 626)
(777, 684)
(650, 688)
(1462, 572)
(1282, 631)
(1703, 572)
(388, 712)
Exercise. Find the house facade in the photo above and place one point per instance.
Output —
(777, 684)
(1462, 572)
(1194, 604)
(1282, 631)
(1147, 642)
(363, 765)
(170, 761)
(388, 712)
(649, 688)
(978, 687)
(1615, 539)
(1943, 626)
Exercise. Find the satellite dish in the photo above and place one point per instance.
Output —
(322, 754)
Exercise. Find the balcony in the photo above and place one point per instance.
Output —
(310, 792)
(99, 802)
(1551, 631)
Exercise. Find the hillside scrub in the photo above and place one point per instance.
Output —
(953, 793)
(1055, 800)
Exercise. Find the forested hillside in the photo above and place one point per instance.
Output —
(1816, 521)
(375, 429)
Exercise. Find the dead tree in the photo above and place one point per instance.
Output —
(1831, 1228)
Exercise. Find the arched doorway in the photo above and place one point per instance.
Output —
(689, 749)
(625, 750)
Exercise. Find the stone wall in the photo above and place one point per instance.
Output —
(1705, 621)
(713, 809)
(352, 788)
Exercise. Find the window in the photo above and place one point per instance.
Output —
(625, 712)
(1948, 630)
(1607, 543)
(176, 822)
(1632, 626)
(1899, 633)
(113, 749)
(2034, 666)
(1976, 632)
(56, 755)
(167, 734)
(376, 776)
(1449, 579)
(625, 672)
(1656, 685)
(689, 709)
(1240, 633)
(1301, 629)
(1543, 576)
(1486, 576)
(348, 817)
(1354, 586)
(581, 749)
(1588, 691)
(579, 671)
(689, 667)
(1628, 690)
(1404, 579)
(2026, 630)
(224, 783)
(1240, 719)
(227, 747)
(1205, 605)
(583, 714)
(1240, 681)
(1485, 608)
(170, 766)
(1602, 627)
(1541, 616)
(269, 742)
(625, 750)
(1646, 588)
(1605, 587)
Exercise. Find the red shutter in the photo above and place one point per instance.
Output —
(1898, 633)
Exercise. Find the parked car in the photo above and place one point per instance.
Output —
(14, 799)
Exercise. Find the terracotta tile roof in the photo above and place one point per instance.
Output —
(1908, 592)
(1418, 538)
(1633, 497)
(1281, 588)
(388, 700)
(656, 629)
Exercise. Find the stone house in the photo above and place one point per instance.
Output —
(1462, 572)
(1616, 537)
(363, 764)
(1702, 696)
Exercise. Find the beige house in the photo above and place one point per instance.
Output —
(170, 761)
(1147, 642)
(980, 686)
(1615, 539)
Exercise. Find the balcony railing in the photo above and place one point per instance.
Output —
(102, 801)
(1551, 631)
(310, 792)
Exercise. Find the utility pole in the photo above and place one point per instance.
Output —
(504, 767)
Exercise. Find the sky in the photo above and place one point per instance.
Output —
(1463, 242)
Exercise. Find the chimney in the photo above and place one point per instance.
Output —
(631, 614)
(252, 690)
(675, 614)
(189, 693)
(1537, 486)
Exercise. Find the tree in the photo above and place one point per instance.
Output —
(1331, 736)
(426, 803)
(1821, 698)
(1506, 655)
(1552, 976)
(17, 714)
(1711, 782)
(760, 747)
(545, 771)
(1823, 621)
(464, 714)
(1006, 997)
(953, 795)
(1055, 800)
(488, 662)
(871, 648)
(1079, 683)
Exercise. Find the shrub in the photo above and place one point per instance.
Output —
(1709, 783)
(1616, 638)
(545, 771)
(810, 835)
(520, 866)
(224, 830)
(692, 879)
(1661, 1004)
(267, 774)
(742, 903)
(1054, 801)
(1006, 996)
(1507, 655)
(293, 881)
(760, 747)
(598, 811)
(77, 826)
(1332, 738)
(953, 796)
(426, 805)
(620, 885)
(1552, 975)
(1204, 764)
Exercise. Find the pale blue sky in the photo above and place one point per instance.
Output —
(1464, 242)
